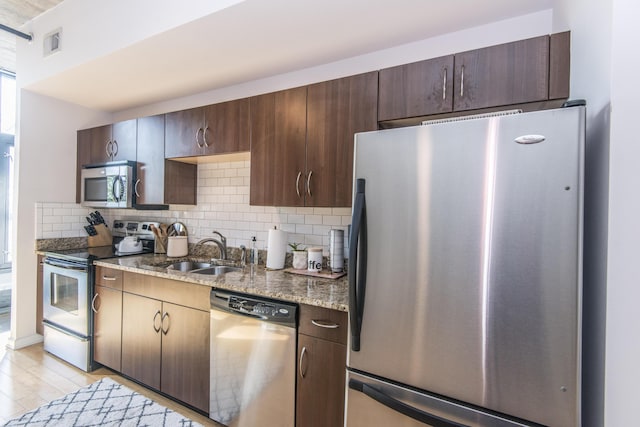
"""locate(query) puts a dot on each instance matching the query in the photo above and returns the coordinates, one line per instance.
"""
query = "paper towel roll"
(276, 249)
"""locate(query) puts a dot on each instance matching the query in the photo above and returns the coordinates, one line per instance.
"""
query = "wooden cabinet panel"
(226, 127)
(278, 143)
(321, 380)
(511, 73)
(336, 110)
(559, 65)
(182, 293)
(417, 89)
(262, 123)
(141, 340)
(322, 356)
(183, 133)
(109, 277)
(107, 336)
(331, 325)
(124, 139)
(185, 355)
(98, 140)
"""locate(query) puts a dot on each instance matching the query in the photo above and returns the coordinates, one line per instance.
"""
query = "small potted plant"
(299, 256)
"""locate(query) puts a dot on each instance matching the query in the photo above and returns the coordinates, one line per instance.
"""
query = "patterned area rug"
(103, 403)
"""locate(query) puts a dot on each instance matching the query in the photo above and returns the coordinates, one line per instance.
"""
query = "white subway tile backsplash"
(223, 205)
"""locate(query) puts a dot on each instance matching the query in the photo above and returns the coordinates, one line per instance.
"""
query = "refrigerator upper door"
(473, 272)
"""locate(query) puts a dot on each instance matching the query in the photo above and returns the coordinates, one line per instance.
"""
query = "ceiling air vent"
(53, 42)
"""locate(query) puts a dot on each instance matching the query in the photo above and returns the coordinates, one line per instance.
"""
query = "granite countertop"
(251, 280)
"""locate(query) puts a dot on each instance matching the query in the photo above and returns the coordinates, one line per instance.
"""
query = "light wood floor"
(31, 377)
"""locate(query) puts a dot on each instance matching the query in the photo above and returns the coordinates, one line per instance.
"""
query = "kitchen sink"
(185, 266)
(215, 270)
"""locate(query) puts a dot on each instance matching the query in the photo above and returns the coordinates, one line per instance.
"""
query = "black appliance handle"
(357, 264)
(117, 181)
(401, 407)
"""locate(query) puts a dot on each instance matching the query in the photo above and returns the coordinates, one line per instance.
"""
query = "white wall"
(45, 171)
(623, 290)
(93, 28)
(590, 25)
(508, 30)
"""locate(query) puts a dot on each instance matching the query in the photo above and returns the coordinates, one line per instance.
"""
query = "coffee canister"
(314, 261)
(336, 250)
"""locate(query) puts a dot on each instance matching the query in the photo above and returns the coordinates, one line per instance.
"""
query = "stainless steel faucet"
(222, 244)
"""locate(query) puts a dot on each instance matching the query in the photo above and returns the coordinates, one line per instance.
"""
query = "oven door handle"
(65, 264)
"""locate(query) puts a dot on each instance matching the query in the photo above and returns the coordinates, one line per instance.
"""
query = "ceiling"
(14, 14)
(256, 39)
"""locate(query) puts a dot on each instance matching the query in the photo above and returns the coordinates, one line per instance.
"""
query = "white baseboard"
(15, 344)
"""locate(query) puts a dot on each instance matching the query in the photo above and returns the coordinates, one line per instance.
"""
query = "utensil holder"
(103, 238)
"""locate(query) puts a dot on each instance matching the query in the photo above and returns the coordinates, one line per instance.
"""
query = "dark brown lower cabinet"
(321, 376)
(322, 356)
(107, 326)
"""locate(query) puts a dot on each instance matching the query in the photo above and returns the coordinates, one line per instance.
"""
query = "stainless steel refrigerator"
(465, 273)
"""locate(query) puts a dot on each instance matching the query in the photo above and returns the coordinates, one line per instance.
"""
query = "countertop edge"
(259, 282)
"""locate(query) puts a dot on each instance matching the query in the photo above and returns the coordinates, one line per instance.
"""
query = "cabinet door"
(107, 336)
(124, 139)
(98, 140)
(510, 73)
(183, 133)
(418, 89)
(278, 143)
(150, 156)
(336, 110)
(141, 343)
(226, 127)
(320, 387)
(185, 355)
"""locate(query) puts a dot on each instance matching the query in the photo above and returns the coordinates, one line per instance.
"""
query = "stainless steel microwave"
(108, 185)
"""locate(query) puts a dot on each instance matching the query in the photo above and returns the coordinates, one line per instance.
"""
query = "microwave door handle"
(117, 188)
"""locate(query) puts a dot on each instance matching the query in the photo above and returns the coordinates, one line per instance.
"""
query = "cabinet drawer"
(323, 323)
(176, 292)
(109, 277)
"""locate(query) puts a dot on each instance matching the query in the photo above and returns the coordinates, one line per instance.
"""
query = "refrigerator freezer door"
(373, 402)
(473, 273)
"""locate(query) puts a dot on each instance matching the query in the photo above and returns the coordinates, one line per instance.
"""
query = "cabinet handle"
(462, 82)
(444, 85)
(298, 183)
(302, 353)
(155, 317)
(166, 315)
(135, 188)
(323, 324)
(204, 136)
(109, 278)
(109, 149)
(197, 139)
(114, 152)
(309, 183)
(93, 303)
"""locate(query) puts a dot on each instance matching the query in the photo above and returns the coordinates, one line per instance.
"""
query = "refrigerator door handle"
(357, 264)
(401, 407)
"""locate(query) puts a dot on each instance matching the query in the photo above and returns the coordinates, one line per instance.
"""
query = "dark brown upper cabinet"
(104, 144)
(336, 110)
(213, 129)
(278, 126)
(523, 72)
(417, 89)
(160, 181)
(510, 73)
(302, 141)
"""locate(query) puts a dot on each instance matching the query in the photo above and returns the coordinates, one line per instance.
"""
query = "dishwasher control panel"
(272, 311)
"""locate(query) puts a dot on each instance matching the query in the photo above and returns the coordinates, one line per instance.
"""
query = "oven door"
(66, 295)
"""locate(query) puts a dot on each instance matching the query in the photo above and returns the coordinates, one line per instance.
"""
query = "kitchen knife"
(90, 229)
(99, 218)
(89, 220)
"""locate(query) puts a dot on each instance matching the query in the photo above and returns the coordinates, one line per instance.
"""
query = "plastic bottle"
(254, 251)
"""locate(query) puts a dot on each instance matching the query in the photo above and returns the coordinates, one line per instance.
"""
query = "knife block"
(103, 238)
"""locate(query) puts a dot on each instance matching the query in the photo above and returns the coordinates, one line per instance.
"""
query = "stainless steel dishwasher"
(253, 357)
